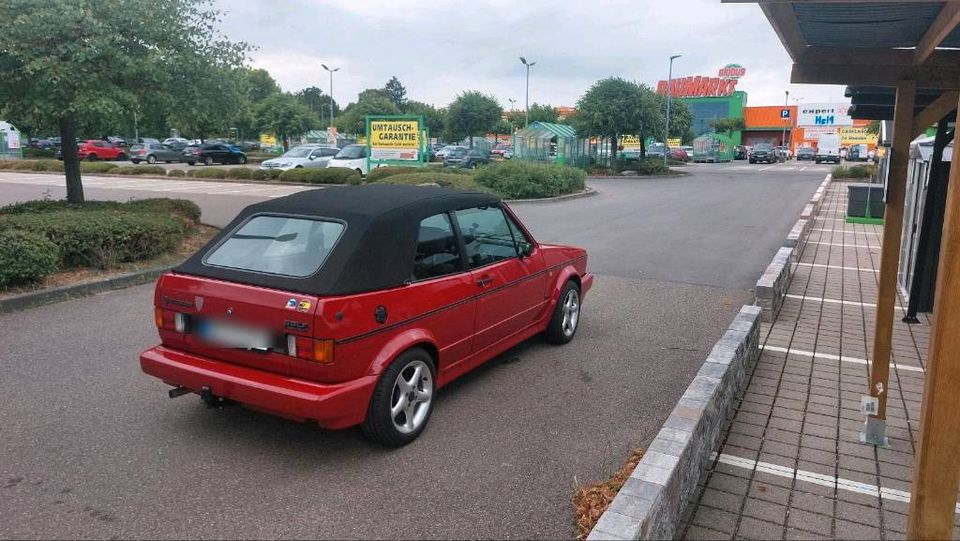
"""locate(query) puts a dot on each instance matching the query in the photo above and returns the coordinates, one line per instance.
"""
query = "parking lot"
(93, 448)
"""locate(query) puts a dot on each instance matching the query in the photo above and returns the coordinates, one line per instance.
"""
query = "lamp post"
(783, 136)
(526, 110)
(666, 136)
(512, 101)
(331, 89)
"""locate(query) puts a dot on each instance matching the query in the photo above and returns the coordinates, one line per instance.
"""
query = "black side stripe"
(453, 305)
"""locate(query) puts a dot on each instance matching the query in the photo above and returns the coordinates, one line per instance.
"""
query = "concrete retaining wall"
(651, 501)
(773, 285)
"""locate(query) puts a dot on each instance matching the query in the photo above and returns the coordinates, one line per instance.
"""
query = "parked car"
(177, 143)
(858, 153)
(764, 152)
(248, 146)
(351, 157)
(466, 158)
(501, 148)
(656, 150)
(213, 153)
(442, 153)
(117, 141)
(784, 152)
(302, 156)
(96, 149)
(828, 149)
(740, 152)
(806, 153)
(352, 306)
(41, 144)
(679, 154)
(153, 153)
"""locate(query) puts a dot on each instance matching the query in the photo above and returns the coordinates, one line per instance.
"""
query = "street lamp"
(512, 101)
(526, 113)
(666, 136)
(331, 89)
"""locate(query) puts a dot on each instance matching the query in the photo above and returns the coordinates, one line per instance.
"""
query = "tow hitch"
(178, 391)
(212, 400)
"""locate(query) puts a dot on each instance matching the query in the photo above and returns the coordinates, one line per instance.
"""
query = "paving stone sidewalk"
(791, 465)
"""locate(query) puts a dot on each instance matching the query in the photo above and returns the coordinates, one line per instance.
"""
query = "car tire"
(135, 162)
(91, 157)
(151, 159)
(208, 161)
(191, 163)
(566, 315)
(402, 401)
(242, 160)
(121, 157)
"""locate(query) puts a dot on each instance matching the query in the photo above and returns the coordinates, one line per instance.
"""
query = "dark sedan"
(806, 153)
(467, 159)
(740, 152)
(764, 152)
(211, 154)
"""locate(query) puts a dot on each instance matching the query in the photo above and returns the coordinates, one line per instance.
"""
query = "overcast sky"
(439, 49)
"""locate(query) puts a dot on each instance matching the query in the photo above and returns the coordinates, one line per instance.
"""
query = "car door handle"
(484, 281)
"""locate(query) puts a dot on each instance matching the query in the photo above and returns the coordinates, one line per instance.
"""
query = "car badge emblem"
(292, 304)
(229, 311)
(304, 306)
(198, 302)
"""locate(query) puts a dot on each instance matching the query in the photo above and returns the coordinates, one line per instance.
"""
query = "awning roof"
(541, 130)
(870, 43)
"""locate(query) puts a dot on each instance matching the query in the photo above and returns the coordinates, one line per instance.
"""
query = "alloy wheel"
(412, 397)
(571, 312)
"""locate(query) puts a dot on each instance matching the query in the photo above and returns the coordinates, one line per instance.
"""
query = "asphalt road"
(92, 448)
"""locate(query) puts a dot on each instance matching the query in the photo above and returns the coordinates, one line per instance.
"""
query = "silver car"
(302, 156)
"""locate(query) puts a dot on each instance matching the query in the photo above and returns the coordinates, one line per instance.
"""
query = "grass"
(589, 502)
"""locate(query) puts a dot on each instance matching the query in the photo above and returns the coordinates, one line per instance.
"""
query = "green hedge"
(25, 258)
(161, 205)
(96, 167)
(517, 179)
(53, 165)
(240, 173)
(139, 170)
(265, 174)
(101, 238)
(856, 171)
(208, 172)
(447, 180)
(332, 175)
(176, 173)
(36, 153)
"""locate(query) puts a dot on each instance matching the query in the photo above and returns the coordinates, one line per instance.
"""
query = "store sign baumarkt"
(394, 140)
(824, 114)
(704, 86)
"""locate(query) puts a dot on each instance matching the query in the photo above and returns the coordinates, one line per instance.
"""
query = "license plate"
(230, 335)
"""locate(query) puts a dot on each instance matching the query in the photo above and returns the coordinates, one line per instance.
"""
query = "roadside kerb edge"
(33, 299)
(651, 501)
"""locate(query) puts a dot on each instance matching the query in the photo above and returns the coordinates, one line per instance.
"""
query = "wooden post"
(936, 471)
(875, 429)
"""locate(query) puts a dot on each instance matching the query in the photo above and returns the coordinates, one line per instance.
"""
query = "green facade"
(707, 109)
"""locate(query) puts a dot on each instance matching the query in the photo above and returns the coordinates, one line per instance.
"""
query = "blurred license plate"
(229, 335)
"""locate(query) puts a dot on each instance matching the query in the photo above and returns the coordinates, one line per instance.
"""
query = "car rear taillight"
(170, 320)
(308, 349)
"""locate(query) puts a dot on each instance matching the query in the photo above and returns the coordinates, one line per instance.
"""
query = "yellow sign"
(857, 136)
(630, 141)
(268, 140)
(674, 143)
(395, 134)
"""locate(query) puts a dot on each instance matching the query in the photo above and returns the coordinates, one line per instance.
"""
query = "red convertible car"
(353, 305)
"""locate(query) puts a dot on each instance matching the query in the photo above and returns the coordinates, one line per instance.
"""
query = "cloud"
(439, 49)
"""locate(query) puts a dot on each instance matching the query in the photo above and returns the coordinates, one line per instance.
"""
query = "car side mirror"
(311, 157)
(525, 249)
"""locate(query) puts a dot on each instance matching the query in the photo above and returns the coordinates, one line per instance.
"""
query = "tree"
(432, 117)
(472, 113)
(610, 108)
(543, 113)
(284, 115)
(397, 92)
(260, 85)
(502, 127)
(370, 102)
(319, 103)
(75, 63)
(516, 118)
(681, 120)
(726, 125)
(211, 99)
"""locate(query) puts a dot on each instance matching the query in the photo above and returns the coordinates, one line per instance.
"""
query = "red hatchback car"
(353, 305)
(93, 149)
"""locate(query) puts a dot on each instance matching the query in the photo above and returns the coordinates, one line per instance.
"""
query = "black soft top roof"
(376, 250)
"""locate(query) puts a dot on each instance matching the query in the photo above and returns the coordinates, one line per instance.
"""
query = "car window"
(329, 151)
(486, 235)
(438, 252)
(352, 152)
(518, 235)
(281, 245)
(319, 153)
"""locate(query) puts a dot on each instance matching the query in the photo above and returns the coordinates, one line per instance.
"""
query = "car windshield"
(280, 245)
(351, 152)
(299, 152)
(762, 146)
(457, 152)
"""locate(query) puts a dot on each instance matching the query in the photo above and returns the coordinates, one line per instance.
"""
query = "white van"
(828, 148)
(351, 157)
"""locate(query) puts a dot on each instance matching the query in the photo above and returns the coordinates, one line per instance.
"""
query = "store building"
(710, 98)
(773, 124)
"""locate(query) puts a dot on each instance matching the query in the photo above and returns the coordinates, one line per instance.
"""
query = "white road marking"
(832, 357)
(829, 481)
(158, 185)
(836, 301)
(821, 265)
(844, 245)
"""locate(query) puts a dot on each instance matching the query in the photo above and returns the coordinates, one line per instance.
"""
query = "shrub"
(265, 174)
(162, 205)
(856, 171)
(176, 173)
(213, 172)
(37, 153)
(519, 179)
(454, 181)
(332, 175)
(25, 258)
(96, 167)
(384, 172)
(241, 173)
(101, 238)
(47, 165)
(139, 170)
(7, 164)
(651, 167)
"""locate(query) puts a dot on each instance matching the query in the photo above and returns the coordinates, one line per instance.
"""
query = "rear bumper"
(586, 282)
(334, 406)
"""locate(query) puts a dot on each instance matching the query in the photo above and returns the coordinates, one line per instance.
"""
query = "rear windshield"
(351, 152)
(282, 245)
(763, 146)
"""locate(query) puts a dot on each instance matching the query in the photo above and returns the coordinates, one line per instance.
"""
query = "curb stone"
(651, 501)
(34, 299)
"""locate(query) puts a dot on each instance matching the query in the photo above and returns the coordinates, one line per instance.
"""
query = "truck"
(828, 148)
